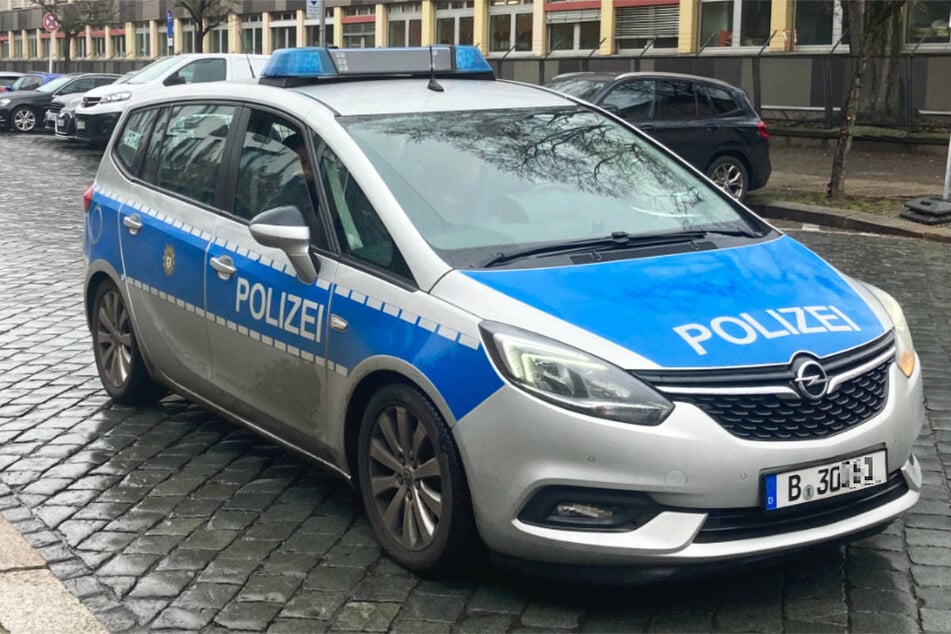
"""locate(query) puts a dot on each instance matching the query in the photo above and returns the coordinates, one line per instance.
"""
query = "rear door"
(268, 329)
(676, 122)
(166, 227)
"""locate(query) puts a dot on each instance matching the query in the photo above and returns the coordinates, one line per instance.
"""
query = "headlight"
(904, 348)
(571, 378)
(4, 102)
(119, 96)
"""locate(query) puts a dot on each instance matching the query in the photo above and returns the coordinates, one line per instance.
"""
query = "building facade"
(509, 29)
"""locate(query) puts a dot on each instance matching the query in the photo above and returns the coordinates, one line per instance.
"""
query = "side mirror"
(284, 228)
(174, 80)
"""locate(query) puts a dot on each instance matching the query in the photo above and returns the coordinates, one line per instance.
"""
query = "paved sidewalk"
(32, 600)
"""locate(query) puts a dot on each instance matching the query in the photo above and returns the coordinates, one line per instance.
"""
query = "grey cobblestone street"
(172, 518)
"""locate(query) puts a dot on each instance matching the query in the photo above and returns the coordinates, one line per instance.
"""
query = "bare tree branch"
(207, 15)
(75, 16)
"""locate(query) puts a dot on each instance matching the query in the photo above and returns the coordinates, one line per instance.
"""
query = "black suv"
(709, 123)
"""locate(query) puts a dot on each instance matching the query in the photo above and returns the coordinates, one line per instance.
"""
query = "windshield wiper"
(617, 240)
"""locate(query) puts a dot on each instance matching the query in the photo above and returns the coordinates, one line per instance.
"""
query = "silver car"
(500, 313)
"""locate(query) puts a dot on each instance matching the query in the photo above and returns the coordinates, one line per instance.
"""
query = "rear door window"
(202, 71)
(131, 138)
(674, 100)
(185, 158)
(715, 101)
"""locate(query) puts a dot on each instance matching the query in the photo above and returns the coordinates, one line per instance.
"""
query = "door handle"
(133, 223)
(224, 266)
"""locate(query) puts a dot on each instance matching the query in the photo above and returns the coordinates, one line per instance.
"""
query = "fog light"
(576, 510)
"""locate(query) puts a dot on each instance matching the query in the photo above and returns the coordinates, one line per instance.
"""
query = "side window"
(31, 83)
(674, 100)
(130, 140)
(632, 99)
(200, 71)
(103, 81)
(275, 171)
(186, 159)
(359, 229)
(720, 100)
(80, 85)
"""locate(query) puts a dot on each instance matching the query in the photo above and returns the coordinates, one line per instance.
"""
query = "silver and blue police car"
(502, 314)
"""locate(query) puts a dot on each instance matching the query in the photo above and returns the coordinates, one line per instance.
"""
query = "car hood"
(751, 305)
(25, 95)
(111, 89)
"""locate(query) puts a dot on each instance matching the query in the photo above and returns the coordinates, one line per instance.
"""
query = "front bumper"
(513, 445)
(5, 118)
(95, 128)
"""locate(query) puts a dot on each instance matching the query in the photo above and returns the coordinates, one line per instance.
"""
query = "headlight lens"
(4, 102)
(571, 378)
(904, 348)
(119, 96)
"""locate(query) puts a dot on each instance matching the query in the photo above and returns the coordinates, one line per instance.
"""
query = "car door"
(676, 123)
(166, 229)
(267, 328)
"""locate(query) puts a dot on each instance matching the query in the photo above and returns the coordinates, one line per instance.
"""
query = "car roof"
(10, 73)
(386, 96)
(605, 76)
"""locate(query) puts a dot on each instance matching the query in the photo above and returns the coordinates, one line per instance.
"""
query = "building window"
(815, 20)
(252, 40)
(405, 27)
(574, 30)
(718, 19)
(81, 46)
(349, 11)
(33, 42)
(143, 41)
(4, 49)
(928, 22)
(98, 47)
(283, 37)
(510, 25)
(636, 27)
(360, 35)
(313, 33)
(118, 45)
(219, 40)
(454, 23)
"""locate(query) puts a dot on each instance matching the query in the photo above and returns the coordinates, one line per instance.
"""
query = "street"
(170, 517)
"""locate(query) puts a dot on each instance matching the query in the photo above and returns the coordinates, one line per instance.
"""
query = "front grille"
(764, 403)
(90, 101)
(747, 523)
(777, 417)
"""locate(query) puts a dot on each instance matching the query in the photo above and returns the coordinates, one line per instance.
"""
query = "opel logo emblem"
(810, 379)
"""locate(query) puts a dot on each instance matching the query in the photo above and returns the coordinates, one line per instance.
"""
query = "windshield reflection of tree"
(602, 169)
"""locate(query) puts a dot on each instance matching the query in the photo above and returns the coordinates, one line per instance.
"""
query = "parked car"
(7, 79)
(709, 123)
(61, 113)
(96, 116)
(499, 313)
(24, 110)
(32, 81)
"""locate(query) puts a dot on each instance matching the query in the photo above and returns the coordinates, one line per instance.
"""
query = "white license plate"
(824, 481)
(80, 125)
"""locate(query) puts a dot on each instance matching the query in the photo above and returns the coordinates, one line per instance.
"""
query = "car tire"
(119, 360)
(23, 119)
(730, 174)
(412, 481)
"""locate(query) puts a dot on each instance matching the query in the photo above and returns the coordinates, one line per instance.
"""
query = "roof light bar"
(316, 63)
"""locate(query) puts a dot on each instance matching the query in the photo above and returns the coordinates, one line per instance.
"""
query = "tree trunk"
(67, 40)
(199, 36)
(844, 142)
(882, 98)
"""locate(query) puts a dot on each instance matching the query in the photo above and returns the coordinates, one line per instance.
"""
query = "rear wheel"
(412, 482)
(730, 175)
(24, 119)
(118, 358)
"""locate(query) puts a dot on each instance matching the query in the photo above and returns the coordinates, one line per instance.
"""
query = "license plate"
(80, 125)
(824, 481)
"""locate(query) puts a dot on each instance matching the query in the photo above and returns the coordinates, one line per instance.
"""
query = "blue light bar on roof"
(315, 62)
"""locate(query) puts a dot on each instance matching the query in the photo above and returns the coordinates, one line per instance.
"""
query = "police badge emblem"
(168, 260)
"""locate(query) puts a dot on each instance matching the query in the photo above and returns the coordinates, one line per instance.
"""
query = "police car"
(501, 313)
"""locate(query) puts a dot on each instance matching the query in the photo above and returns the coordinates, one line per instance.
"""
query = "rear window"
(715, 100)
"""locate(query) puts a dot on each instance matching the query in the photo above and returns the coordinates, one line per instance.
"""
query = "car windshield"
(55, 84)
(580, 87)
(479, 183)
(18, 84)
(154, 70)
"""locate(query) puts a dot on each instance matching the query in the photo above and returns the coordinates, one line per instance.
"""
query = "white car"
(102, 107)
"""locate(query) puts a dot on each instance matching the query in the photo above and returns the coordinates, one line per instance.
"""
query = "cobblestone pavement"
(170, 517)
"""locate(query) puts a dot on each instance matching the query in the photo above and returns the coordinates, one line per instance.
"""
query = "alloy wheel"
(114, 339)
(406, 480)
(24, 120)
(729, 178)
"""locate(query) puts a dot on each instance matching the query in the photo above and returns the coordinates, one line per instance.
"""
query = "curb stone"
(851, 220)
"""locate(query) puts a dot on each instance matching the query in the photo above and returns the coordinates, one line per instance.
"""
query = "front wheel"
(118, 358)
(412, 481)
(24, 119)
(729, 174)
